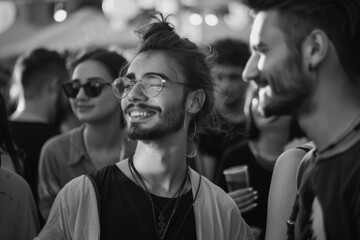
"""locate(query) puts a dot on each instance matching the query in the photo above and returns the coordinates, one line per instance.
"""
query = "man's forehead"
(265, 26)
(154, 61)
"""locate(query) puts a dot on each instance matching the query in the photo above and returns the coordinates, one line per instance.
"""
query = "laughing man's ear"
(195, 100)
(315, 48)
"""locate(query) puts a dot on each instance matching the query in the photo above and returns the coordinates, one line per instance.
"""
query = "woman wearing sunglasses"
(99, 141)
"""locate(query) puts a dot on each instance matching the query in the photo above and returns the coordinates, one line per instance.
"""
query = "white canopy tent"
(86, 27)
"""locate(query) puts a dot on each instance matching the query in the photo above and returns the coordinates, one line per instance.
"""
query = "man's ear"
(315, 48)
(195, 100)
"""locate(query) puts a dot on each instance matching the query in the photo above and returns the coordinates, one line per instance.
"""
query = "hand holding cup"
(238, 183)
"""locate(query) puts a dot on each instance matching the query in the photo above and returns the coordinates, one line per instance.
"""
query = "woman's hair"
(6, 141)
(112, 61)
(194, 62)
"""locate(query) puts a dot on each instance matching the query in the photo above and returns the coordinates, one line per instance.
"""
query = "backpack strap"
(96, 192)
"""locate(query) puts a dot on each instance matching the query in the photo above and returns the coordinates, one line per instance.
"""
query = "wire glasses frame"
(92, 89)
(151, 85)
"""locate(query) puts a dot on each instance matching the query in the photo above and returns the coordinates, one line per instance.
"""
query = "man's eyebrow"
(94, 78)
(159, 74)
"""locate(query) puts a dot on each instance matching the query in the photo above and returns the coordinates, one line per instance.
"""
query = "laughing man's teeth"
(140, 114)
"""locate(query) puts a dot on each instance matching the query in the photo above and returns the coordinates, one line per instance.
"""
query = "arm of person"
(18, 214)
(74, 214)
(48, 185)
(28, 222)
(282, 193)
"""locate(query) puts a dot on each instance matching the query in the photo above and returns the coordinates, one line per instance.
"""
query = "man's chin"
(140, 134)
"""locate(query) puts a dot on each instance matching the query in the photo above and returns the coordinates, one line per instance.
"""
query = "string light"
(60, 14)
(195, 19)
(211, 19)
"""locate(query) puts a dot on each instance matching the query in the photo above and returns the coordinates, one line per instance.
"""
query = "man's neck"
(334, 115)
(162, 164)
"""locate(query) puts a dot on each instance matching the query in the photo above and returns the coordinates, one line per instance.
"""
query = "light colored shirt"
(74, 214)
(18, 214)
(62, 159)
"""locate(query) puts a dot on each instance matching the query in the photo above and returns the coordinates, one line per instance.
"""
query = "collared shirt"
(62, 159)
(75, 215)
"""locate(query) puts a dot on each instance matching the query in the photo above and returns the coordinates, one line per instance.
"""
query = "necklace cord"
(178, 193)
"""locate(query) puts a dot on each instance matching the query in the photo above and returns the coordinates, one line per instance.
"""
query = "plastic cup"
(237, 177)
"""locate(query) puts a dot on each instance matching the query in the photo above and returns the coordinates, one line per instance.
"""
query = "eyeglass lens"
(151, 85)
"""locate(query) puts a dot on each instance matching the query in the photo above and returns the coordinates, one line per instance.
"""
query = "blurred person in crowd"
(37, 79)
(5, 79)
(18, 214)
(230, 57)
(167, 89)
(100, 140)
(13, 164)
(266, 139)
(304, 62)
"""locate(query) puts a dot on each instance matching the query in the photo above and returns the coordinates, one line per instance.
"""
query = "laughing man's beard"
(293, 89)
(169, 122)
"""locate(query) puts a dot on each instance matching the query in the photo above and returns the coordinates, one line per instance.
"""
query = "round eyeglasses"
(92, 89)
(150, 85)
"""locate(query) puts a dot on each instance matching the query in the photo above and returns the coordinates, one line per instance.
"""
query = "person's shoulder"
(78, 183)
(291, 161)
(211, 189)
(75, 205)
(63, 138)
(75, 189)
(11, 182)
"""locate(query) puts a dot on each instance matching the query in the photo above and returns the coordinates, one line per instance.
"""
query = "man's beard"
(292, 90)
(170, 122)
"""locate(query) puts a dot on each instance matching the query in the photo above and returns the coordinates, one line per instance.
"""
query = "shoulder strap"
(96, 192)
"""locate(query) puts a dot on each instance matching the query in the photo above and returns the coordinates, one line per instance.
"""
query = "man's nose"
(136, 93)
(251, 71)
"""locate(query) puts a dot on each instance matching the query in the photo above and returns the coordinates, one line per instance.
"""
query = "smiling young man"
(304, 62)
(166, 92)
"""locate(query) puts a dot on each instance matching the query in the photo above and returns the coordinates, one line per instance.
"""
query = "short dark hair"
(34, 69)
(195, 62)
(231, 52)
(111, 60)
(339, 19)
(6, 140)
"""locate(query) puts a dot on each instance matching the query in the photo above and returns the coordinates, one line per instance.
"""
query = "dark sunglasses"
(92, 89)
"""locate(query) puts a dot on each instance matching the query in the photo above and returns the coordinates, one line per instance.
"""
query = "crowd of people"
(103, 146)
